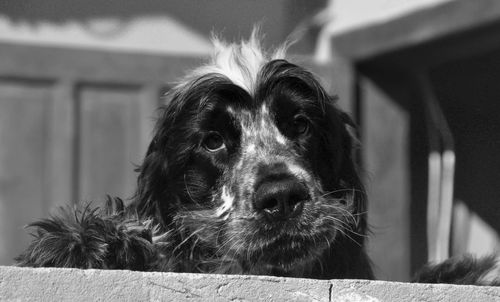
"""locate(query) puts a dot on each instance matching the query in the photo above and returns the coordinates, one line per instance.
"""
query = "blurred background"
(80, 81)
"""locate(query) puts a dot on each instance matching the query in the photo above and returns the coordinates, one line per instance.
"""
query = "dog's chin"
(285, 263)
(285, 255)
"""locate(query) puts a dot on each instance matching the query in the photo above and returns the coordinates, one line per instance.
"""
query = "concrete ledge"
(51, 284)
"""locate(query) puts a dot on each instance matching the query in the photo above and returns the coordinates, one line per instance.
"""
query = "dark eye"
(213, 142)
(300, 124)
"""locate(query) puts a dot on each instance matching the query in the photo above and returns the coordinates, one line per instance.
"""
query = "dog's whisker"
(188, 192)
(325, 194)
(187, 238)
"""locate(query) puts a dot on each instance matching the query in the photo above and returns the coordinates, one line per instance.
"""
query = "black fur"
(464, 270)
(93, 238)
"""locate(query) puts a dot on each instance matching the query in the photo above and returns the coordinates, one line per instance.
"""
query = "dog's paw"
(86, 238)
(465, 270)
(67, 240)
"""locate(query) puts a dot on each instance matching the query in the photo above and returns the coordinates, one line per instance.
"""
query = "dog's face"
(251, 167)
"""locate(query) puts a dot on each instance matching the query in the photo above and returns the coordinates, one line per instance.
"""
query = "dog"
(250, 171)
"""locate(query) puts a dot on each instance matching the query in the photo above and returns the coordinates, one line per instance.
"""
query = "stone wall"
(51, 284)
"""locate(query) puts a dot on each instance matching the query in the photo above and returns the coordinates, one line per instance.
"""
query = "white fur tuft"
(240, 62)
(228, 200)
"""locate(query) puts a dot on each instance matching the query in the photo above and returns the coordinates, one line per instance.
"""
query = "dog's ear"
(351, 128)
(152, 169)
(152, 183)
(157, 188)
(344, 143)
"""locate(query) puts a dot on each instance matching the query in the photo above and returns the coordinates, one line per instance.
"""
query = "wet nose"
(281, 198)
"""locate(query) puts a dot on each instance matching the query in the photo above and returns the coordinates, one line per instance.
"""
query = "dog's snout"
(281, 198)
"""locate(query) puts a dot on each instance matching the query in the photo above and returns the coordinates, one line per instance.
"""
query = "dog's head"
(251, 166)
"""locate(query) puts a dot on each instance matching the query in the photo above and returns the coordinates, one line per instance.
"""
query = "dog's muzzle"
(279, 195)
(281, 198)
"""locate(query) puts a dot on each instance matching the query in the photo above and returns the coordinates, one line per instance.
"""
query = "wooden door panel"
(24, 108)
(109, 143)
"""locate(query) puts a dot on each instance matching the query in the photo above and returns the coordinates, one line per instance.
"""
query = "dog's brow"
(260, 126)
(266, 118)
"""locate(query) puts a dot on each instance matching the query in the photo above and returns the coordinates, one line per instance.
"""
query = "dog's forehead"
(258, 125)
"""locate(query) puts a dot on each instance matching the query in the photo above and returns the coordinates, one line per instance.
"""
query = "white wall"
(345, 15)
(142, 34)
(163, 33)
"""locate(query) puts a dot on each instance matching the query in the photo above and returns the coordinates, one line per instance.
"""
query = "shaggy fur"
(250, 171)
(462, 270)
(107, 239)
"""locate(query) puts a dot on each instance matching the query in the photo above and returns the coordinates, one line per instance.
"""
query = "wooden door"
(73, 123)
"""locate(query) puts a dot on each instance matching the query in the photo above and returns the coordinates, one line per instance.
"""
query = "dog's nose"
(281, 198)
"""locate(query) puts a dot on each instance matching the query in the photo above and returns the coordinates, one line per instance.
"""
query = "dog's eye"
(213, 142)
(300, 124)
